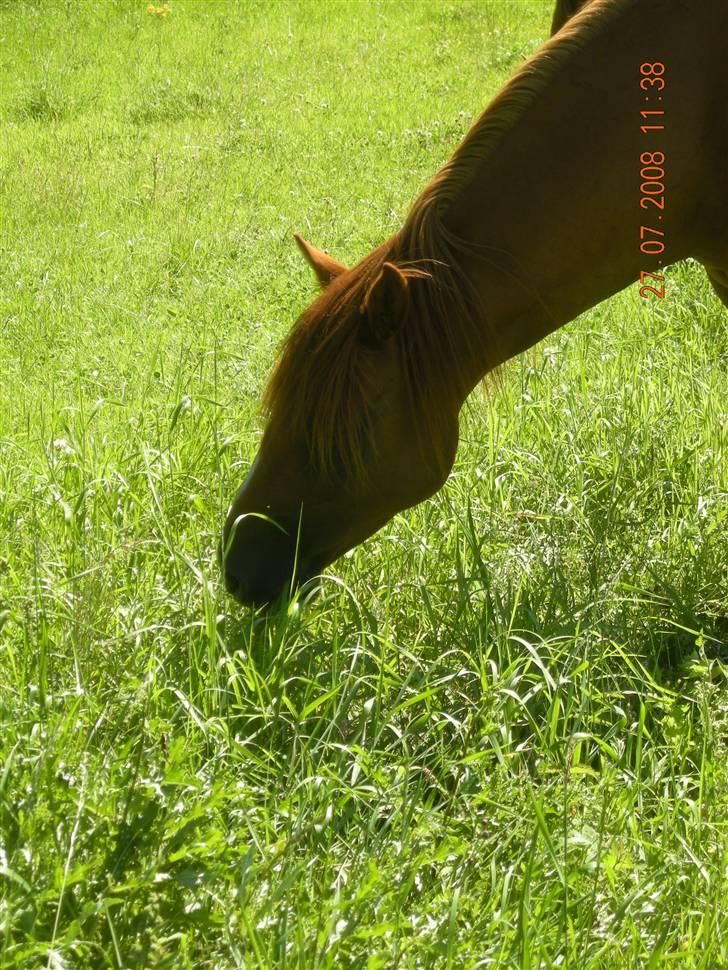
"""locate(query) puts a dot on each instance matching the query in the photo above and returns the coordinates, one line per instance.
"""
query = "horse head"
(344, 447)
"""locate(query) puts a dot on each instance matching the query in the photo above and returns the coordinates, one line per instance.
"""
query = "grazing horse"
(543, 211)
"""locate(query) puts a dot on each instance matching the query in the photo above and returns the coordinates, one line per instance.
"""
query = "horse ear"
(324, 266)
(385, 304)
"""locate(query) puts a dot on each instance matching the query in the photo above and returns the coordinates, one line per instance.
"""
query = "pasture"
(499, 735)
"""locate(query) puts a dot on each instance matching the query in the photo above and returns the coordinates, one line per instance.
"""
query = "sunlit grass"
(497, 736)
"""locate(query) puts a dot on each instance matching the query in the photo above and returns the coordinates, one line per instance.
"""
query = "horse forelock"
(318, 390)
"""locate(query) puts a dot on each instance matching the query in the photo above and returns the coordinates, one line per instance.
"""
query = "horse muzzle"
(257, 559)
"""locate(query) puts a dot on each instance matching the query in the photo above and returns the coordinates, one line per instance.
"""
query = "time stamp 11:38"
(652, 176)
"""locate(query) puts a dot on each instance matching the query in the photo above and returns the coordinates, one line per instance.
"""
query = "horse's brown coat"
(533, 220)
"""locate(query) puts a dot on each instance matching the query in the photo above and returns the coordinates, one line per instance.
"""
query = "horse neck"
(550, 217)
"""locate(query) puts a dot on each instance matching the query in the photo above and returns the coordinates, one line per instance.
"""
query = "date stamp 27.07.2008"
(652, 177)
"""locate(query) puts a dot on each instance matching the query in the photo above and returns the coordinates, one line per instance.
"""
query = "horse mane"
(319, 388)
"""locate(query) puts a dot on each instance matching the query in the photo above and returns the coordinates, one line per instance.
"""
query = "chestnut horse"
(536, 218)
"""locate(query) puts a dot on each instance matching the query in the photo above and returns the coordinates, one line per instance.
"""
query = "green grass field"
(499, 738)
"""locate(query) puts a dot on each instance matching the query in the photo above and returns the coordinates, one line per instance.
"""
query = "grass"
(500, 736)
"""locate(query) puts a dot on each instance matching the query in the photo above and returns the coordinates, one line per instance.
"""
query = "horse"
(604, 151)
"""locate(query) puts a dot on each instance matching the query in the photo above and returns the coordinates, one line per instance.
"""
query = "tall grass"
(498, 738)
